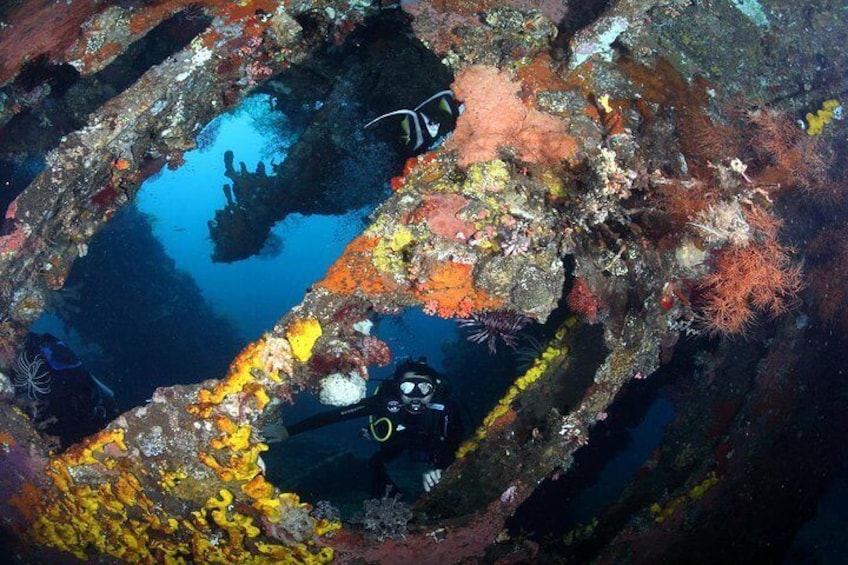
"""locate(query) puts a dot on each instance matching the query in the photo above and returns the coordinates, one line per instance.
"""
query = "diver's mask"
(416, 391)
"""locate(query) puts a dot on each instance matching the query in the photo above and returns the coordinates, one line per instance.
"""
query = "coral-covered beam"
(99, 168)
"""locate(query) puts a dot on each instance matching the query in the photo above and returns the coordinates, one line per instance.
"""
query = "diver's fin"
(445, 106)
(439, 94)
(103, 387)
(394, 113)
(404, 125)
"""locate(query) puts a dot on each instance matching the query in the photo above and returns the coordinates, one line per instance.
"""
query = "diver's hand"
(431, 478)
(275, 433)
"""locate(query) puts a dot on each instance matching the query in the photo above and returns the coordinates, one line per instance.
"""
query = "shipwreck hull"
(530, 203)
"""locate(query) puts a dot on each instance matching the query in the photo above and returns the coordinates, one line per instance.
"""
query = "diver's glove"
(275, 433)
(431, 478)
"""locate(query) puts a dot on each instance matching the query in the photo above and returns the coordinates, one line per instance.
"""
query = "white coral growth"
(723, 222)
(338, 389)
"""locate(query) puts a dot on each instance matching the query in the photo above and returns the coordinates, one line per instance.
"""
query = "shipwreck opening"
(338, 163)
(330, 465)
(147, 307)
(211, 254)
(619, 451)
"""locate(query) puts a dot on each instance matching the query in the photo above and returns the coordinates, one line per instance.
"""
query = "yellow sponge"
(831, 109)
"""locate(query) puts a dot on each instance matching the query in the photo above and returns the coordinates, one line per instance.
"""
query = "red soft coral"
(759, 276)
(582, 301)
(495, 117)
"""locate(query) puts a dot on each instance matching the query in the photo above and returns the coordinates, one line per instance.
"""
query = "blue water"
(253, 293)
(256, 292)
(644, 438)
(822, 540)
(415, 334)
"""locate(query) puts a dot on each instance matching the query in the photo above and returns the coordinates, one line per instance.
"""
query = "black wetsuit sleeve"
(451, 434)
(364, 407)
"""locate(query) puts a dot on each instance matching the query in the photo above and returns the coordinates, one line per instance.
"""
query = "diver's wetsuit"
(431, 435)
(76, 404)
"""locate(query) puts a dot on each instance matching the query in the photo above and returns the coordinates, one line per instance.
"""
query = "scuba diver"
(64, 399)
(410, 411)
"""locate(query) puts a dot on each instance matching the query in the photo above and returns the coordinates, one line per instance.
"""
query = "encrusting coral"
(108, 500)
(302, 335)
(455, 246)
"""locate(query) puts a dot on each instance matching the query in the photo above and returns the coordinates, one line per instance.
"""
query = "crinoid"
(29, 376)
(488, 327)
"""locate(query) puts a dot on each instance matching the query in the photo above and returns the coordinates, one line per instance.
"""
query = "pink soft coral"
(496, 117)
